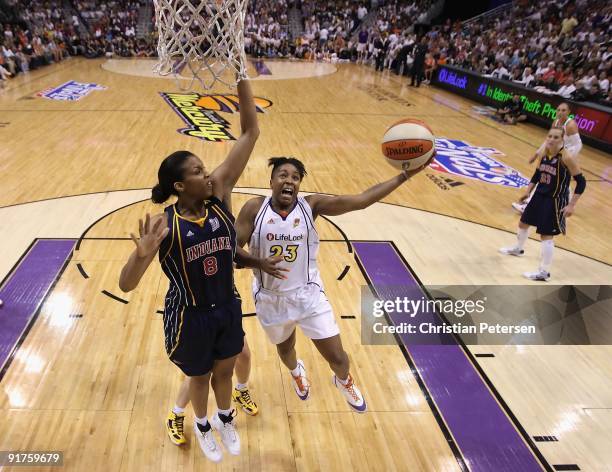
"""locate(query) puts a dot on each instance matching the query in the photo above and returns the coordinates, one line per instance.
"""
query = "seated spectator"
(512, 112)
(587, 81)
(500, 72)
(549, 76)
(596, 94)
(527, 78)
(4, 75)
(604, 82)
(568, 89)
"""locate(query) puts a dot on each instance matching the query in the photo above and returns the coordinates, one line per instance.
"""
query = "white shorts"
(307, 308)
(361, 47)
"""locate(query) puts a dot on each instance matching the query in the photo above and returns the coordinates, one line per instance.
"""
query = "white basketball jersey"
(573, 143)
(557, 124)
(294, 238)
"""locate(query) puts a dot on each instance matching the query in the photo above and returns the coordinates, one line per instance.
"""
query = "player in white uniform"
(572, 144)
(283, 225)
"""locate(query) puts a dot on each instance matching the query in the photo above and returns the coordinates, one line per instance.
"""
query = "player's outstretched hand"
(150, 237)
(410, 173)
(270, 266)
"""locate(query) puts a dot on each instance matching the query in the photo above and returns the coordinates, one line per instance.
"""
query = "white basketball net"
(205, 38)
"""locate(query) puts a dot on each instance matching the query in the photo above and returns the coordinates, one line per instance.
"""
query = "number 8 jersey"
(198, 258)
(294, 238)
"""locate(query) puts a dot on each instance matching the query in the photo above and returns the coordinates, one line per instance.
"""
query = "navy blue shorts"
(545, 214)
(205, 336)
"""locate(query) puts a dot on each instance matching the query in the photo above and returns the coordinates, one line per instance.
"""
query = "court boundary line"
(34, 317)
(320, 193)
(502, 403)
(444, 429)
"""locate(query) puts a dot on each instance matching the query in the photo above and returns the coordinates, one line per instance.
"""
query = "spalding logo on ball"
(408, 144)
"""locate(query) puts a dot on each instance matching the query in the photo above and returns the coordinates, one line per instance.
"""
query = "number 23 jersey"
(294, 238)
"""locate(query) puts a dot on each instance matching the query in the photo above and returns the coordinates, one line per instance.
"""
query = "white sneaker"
(208, 444)
(512, 251)
(351, 393)
(519, 207)
(227, 430)
(540, 275)
(300, 382)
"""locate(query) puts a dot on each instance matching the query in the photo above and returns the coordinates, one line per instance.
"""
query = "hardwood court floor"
(98, 387)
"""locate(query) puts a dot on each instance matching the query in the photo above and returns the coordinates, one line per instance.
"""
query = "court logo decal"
(71, 91)
(460, 158)
(382, 95)
(200, 113)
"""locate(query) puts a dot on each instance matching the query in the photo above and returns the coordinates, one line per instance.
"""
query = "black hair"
(170, 171)
(276, 162)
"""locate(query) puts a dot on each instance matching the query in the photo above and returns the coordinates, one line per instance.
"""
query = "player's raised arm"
(338, 205)
(227, 174)
(152, 232)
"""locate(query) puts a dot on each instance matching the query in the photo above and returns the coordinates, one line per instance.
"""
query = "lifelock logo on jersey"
(460, 158)
(284, 237)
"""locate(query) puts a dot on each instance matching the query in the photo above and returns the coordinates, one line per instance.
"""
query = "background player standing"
(550, 204)
(572, 143)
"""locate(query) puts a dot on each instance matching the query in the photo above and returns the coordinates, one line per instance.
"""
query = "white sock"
(343, 382)
(295, 372)
(548, 247)
(243, 386)
(224, 412)
(202, 421)
(521, 237)
(178, 410)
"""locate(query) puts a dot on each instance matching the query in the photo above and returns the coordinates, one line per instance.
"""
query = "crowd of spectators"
(113, 29)
(266, 28)
(48, 33)
(555, 46)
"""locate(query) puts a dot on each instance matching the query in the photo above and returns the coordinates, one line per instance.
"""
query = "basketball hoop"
(204, 39)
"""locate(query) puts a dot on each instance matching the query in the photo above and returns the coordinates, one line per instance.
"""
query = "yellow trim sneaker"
(174, 427)
(244, 400)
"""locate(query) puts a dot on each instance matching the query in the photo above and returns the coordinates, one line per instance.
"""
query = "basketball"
(408, 144)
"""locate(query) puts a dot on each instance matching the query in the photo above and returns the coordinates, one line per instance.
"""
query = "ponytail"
(170, 171)
(159, 195)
